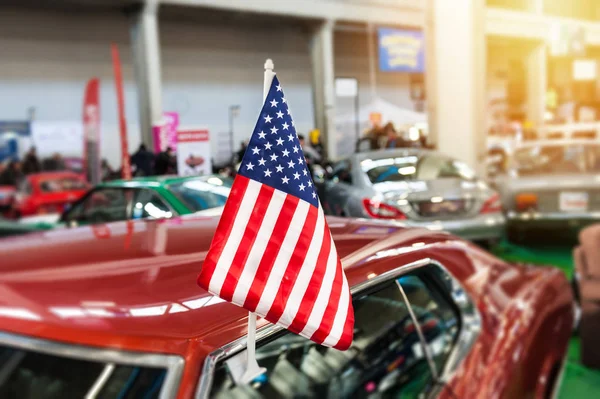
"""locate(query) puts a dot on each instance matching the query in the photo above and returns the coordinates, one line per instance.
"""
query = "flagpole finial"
(269, 64)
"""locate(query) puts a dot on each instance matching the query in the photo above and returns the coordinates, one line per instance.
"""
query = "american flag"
(272, 252)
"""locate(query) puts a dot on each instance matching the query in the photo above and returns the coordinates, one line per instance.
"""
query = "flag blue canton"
(274, 156)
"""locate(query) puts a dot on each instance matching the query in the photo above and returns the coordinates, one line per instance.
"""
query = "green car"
(155, 197)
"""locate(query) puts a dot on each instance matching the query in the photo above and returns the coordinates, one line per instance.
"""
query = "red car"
(113, 311)
(48, 192)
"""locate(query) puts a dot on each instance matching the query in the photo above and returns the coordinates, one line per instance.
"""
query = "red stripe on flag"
(238, 189)
(312, 291)
(346, 339)
(334, 301)
(270, 255)
(294, 266)
(243, 250)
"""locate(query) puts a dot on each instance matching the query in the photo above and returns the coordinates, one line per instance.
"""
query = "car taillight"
(526, 202)
(492, 205)
(379, 210)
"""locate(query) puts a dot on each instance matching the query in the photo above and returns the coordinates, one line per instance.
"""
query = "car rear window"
(62, 184)
(413, 167)
(27, 375)
(202, 193)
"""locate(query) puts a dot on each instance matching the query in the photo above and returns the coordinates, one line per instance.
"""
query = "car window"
(557, 159)
(148, 204)
(24, 187)
(202, 193)
(413, 167)
(101, 206)
(62, 184)
(32, 375)
(386, 358)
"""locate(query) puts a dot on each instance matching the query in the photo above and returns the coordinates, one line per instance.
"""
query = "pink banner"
(166, 135)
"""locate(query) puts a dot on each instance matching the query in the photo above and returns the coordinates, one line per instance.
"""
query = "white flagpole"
(253, 370)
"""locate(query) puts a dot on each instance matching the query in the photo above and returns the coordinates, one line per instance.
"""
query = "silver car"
(550, 185)
(417, 187)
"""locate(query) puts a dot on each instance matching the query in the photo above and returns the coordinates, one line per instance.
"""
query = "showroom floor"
(579, 382)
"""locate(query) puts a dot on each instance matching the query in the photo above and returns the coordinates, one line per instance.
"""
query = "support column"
(537, 81)
(146, 58)
(455, 78)
(321, 52)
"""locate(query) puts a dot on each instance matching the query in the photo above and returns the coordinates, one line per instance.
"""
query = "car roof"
(133, 284)
(35, 177)
(392, 152)
(153, 181)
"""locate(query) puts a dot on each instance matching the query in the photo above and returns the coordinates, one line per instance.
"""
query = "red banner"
(91, 131)
(125, 164)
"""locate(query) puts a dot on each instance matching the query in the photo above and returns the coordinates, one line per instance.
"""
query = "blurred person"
(165, 162)
(31, 163)
(55, 163)
(106, 171)
(311, 155)
(143, 161)
(390, 137)
(242, 151)
(12, 174)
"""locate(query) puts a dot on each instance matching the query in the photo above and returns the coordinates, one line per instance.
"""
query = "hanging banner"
(193, 152)
(165, 135)
(401, 50)
(125, 161)
(14, 138)
(91, 131)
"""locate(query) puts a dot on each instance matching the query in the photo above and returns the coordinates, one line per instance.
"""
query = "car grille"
(444, 209)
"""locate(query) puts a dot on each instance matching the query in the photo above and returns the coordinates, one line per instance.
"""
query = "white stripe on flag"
(340, 317)
(305, 274)
(259, 246)
(233, 241)
(283, 258)
(322, 301)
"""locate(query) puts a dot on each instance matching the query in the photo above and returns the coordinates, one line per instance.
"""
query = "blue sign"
(10, 132)
(401, 50)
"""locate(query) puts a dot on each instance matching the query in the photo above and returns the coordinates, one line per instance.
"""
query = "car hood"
(425, 190)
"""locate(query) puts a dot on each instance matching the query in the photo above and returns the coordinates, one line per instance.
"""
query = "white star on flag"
(280, 141)
(255, 150)
(261, 135)
(267, 173)
(268, 119)
(286, 153)
(268, 146)
(295, 148)
(285, 180)
(291, 164)
(305, 173)
(261, 162)
(285, 126)
(279, 168)
(274, 103)
(296, 176)
(302, 186)
(274, 130)
(279, 115)
(274, 157)
(278, 87)
(249, 166)
(290, 138)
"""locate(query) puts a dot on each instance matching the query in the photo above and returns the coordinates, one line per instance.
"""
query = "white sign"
(346, 87)
(63, 137)
(193, 152)
(573, 201)
(584, 70)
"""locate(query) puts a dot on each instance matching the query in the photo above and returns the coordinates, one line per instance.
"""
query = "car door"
(408, 336)
(337, 188)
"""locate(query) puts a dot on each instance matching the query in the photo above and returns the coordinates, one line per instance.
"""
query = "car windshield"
(30, 375)
(202, 193)
(557, 159)
(415, 167)
(62, 184)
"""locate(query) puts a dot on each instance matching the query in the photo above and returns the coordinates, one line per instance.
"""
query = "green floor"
(579, 382)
